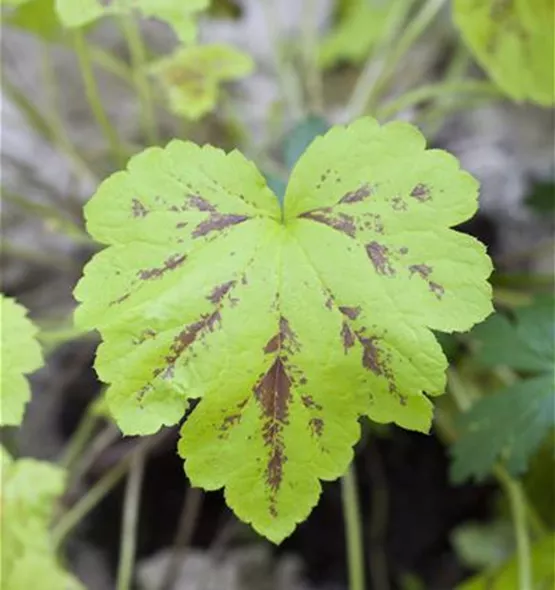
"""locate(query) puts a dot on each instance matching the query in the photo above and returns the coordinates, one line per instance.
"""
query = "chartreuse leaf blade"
(192, 75)
(30, 489)
(506, 577)
(513, 41)
(179, 14)
(21, 355)
(286, 326)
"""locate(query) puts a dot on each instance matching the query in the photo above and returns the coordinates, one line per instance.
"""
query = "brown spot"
(371, 355)
(404, 250)
(422, 269)
(145, 335)
(421, 193)
(329, 302)
(220, 292)
(309, 403)
(351, 312)
(379, 255)
(347, 336)
(339, 221)
(356, 196)
(398, 204)
(200, 203)
(273, 344)
(317, 426)
(155, 273)
(302, 381)
(138, 209)
(217, 222)
(181, 225)
(120, 299)
(437, 289)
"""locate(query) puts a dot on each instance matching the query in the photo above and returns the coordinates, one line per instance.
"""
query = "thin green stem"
(137, 52)
(310, 46)
(92, 94)
(70, 519)
(517, 502)
(130, 522)
(287, 78)
(371, 71)
(190, 513)
(436, 91)
(79, 439)
(353, 530)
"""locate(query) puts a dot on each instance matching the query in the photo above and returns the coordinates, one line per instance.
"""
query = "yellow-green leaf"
(288, 325)
(192, 76)
(21, 355)
(513, 41)
(29, 491)
(179, 14)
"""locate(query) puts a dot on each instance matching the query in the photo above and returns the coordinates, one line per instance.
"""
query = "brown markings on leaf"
(329, 302)
(338, 221)
(356, 196)
(371, 355)
(273, 392)
(421, 193)
(200, 203)
(437, 289)
(422, 269)
(398, 204)
(425, 271)
(145, 335)
(379, 255)
(403, 250)
(171, 263)
(347, 336)
(181, 225)
(220, 291)
(120, 299)
(351, 312)
(316, 426)
(217, 222)
(309, 403)
(184, 339)
(138, 209)
(232, 419)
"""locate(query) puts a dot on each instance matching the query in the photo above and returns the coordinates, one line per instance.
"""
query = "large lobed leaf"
(511, 423)
(30, 489)
(513, 41)
(21, 355)
(289, 325)
(192, 76)
(179, 14)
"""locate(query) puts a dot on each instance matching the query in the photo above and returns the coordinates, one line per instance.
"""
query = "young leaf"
(513, 41)
(29, 491)
(507, 577)
(511, 423)
(21, 355)
(191, 77)
(179, 14)
(288, 324)
(356, 32)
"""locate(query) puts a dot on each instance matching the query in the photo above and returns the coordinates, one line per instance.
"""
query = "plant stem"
(371, 71)
(130, 522)
(515, 495)
(137, 52)
(310, 54)
(92, 94)
(79, 439)
(287, 79)
(353, 529)
(97, 492)
(436, 90)
(185, 529)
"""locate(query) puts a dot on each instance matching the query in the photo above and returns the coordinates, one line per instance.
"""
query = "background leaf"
(21, 355)
(191, 77)
(288, 325)
(513, 41)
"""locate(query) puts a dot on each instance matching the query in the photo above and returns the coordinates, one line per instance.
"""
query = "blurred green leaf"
(37, 17)
(481, 546)
(300, 137)
(506, 577)
(542, 197)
